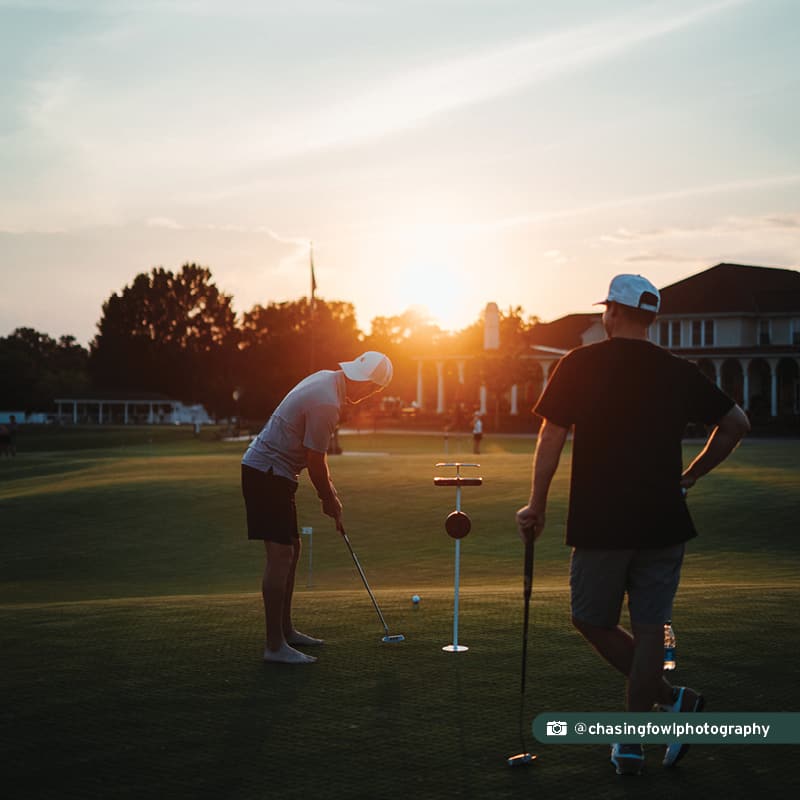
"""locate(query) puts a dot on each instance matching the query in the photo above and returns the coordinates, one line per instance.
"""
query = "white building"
(116, 408)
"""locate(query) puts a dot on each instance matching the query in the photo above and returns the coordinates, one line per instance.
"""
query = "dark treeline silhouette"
(176, 333)
(35, 368)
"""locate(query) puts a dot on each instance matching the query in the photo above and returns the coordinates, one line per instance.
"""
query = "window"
(697, 333)
(764, 337)
(708, 333)
(676, 333)
(796, 332)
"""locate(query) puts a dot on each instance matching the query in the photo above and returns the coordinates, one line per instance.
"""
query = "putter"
(524, 758)
(388, 638)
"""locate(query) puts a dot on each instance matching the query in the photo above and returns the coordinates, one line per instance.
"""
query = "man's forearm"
(321, 478)
(545, 461)
(720, 444)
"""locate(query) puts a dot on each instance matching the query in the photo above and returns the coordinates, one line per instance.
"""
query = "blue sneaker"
(681, 702)
(627, 758)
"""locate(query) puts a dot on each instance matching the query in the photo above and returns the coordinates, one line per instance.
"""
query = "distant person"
(629, 401)
(296, 436)
(477, 433)
(12, 435)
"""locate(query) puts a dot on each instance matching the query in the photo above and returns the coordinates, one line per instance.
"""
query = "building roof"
(115, 397)
(734, 288)
(564, 333)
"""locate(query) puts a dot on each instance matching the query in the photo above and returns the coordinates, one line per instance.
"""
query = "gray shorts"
(599, 579)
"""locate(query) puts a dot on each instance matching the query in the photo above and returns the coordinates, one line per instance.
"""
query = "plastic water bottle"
(669, 646)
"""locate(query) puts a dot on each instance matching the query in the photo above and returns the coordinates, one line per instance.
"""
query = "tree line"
(176, 333)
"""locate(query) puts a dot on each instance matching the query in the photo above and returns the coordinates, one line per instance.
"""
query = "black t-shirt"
(630, 402)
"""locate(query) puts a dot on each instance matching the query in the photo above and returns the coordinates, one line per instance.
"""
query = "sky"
(440, 154)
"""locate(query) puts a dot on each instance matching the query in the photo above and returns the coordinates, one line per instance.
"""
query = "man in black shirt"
(629, 402)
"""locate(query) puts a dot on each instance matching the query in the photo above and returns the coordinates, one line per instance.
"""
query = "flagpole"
(311, 304)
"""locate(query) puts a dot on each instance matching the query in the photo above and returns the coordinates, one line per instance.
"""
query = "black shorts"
(270, 505)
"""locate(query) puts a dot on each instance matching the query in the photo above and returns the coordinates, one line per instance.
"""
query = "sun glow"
(428, 276)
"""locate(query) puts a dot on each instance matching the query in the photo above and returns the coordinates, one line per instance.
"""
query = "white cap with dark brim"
(634, 291)
(370, 366)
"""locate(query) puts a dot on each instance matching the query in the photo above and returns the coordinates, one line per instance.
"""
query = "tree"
(36, 368)
(276, 348)
(169, 333)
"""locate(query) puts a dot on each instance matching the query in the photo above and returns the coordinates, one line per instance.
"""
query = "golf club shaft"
(528, 588)
(364, 579)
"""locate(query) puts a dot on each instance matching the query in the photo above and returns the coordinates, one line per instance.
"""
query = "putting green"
(131, 630)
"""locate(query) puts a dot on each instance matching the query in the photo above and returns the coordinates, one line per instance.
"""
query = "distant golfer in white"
(296, 436)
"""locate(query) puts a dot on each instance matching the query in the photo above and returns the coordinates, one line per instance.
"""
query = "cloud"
(164, 222)
(408, 99)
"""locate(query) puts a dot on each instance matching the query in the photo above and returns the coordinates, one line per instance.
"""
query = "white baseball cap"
(634, 291)
(370, 366)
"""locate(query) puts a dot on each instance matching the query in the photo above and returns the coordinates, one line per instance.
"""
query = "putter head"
(521, 759)
(397, 637)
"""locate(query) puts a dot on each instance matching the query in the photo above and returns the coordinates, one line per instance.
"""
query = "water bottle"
(669, 646)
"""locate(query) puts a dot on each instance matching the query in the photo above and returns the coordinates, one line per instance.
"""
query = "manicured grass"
(131, 630)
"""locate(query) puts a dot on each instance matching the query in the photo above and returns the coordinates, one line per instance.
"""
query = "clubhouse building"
(739, 324)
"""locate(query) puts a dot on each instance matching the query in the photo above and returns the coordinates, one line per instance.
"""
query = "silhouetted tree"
(35, 368)
(276, 348)
(168, 332)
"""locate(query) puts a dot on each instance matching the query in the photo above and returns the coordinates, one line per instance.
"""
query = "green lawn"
(131, 628)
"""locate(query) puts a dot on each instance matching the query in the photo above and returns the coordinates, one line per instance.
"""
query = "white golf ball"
(415, 599)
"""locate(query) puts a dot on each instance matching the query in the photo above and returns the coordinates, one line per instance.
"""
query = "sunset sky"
(439, 153)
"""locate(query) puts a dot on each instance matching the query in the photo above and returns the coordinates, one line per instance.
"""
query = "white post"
(419, 385)
(308, 531)
(440, 387)
(746, 385)
(100, 412)
(457, 577)
(126, 412)
(74, 412)
(483, 399)
(514, 393)
(717, 362)
(773, 368)
(461, 372)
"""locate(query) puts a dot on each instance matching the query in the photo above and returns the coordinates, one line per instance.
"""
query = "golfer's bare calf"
(276, 589)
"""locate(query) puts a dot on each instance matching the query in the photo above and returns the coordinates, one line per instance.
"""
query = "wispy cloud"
(409, 99)
(742, 185)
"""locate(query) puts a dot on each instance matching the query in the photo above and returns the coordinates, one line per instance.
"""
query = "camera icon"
(556, 728)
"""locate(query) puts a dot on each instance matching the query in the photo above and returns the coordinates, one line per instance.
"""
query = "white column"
(483, 399)
(126, 412)
(746, 385)
(718, 362)
(461, 372)
(440, 387)
(514, 409)
(773, 369)
(100, 412)
(74, 412)
(420, 394)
